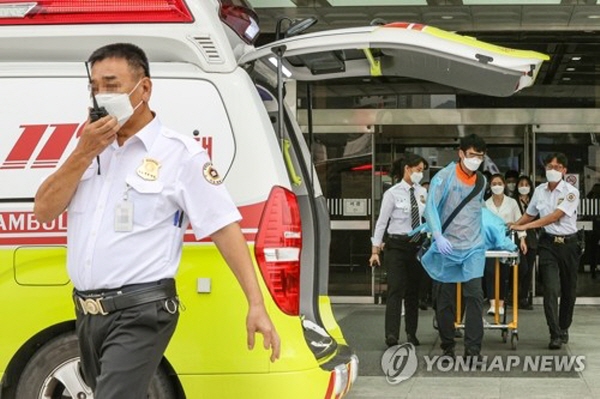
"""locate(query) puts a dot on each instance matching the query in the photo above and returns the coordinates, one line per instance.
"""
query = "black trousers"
(445, 305)
(121, 351)
(558, 269)
(404, 277)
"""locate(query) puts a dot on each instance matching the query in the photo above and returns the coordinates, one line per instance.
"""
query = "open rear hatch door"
(406, 50)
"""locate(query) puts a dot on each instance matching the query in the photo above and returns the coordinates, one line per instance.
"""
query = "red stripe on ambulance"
(55, 146)
(22, 228)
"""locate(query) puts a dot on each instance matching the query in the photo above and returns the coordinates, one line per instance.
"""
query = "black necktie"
(414, 210)
(415, 220)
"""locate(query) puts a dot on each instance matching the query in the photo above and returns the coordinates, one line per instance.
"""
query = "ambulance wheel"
(514, 338)
(504, 336)
(53, 373)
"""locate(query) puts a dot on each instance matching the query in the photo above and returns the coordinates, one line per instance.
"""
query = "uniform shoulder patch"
(211, 175)
(571, 197)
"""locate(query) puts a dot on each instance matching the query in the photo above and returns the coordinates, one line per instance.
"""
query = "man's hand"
(374, 260)
(96, 136)
(443, 245)
(523, 246)
(258, 321)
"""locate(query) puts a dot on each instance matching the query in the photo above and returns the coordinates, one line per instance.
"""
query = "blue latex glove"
(443, 245)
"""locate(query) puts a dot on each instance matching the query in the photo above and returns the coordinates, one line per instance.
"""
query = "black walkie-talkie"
(96, 112)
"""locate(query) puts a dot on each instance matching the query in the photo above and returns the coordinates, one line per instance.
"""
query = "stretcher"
(507, 328)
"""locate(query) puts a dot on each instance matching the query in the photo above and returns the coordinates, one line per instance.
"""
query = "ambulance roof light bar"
(70, 12)
(241, 18)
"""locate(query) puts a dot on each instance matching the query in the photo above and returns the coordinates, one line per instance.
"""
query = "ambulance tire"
(52, 373)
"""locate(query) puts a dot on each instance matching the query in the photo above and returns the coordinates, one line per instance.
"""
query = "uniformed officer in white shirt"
(401, 211)
(132, 186)
(559, 248)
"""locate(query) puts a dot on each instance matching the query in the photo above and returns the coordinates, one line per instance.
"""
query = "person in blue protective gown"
(458, 253)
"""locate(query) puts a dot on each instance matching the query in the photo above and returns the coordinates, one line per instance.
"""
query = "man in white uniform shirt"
(559, 248)
(131, 187)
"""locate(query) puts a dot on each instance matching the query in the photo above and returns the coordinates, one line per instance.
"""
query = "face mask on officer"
(416, 177)
(553, 176)
(118, 104)
(497, 190)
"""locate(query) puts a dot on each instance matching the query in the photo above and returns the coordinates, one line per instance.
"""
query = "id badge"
(124, 216)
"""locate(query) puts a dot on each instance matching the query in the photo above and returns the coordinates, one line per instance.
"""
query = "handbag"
(428, 240)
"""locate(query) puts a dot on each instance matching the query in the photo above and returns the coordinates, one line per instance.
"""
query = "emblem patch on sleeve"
(571, 197)
(211, 175)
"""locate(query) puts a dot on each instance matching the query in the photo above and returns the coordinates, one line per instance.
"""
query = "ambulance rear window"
(69, 12)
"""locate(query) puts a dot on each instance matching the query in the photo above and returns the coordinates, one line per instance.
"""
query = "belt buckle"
(92, 306)
(559, 240)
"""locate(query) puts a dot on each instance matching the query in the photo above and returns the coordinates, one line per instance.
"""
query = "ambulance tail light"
(241, 18)
(277, 249)
(69, 12)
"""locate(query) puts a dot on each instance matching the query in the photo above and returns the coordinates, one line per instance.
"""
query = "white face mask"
(553, 176)
(524, 190)
(497, 189)
(118, 104)
(416, 177)
(511, 186)
(472, 163)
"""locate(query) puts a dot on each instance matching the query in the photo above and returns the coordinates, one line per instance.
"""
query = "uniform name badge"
(149, 169)
(124, 216)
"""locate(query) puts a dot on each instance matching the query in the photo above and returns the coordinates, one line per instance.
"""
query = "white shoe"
(491, 310)
(501, 311)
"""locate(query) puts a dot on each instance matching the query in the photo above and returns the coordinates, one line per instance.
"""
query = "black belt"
(103, 302)
(416, 239)
(561, 239)
(399, 237)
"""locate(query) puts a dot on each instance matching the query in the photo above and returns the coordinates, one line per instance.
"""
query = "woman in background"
(508, 209)
(523, 195)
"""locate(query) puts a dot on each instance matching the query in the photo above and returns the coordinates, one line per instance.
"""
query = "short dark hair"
(511, 173)
(497, 176)
(560, 158)
(472, 141)
(135, 56)
(407, 159)
(528, 180)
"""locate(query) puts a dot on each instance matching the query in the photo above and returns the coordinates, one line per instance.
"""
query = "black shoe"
(449, 353)
(423, 305)
(472, 355)
(413, 339)
(555, 343)
(472, 352)
(524, 304)
(391, 341)
(564, 336)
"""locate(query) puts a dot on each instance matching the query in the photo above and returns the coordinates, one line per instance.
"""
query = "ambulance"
(212, 84)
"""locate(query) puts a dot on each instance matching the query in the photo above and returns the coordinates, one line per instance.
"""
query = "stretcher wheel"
(514, 338)
(504, 336)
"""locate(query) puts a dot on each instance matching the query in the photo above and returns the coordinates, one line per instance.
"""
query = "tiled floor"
(363, 329)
